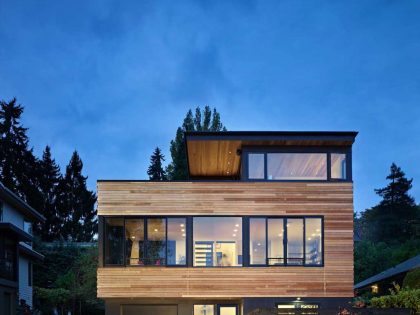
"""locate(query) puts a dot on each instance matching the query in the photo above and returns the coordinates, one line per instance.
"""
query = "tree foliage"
(155, 170)
(396, 217)
(206, 120)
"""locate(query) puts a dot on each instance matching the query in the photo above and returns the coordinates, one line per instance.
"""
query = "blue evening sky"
(114, 79)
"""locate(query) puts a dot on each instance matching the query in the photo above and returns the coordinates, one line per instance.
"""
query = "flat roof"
(405, 266)
(11, 198)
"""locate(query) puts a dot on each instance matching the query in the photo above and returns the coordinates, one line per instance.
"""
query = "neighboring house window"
(29, 274)
(285, 241)
(217, 241)
(145, 241)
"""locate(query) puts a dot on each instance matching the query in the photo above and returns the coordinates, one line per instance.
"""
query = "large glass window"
(134, 242)
(338, 166)
(217, 241)
(285, 241)
(256, 166)
(295, 241)
(296, 166)
(275, 241)
(7, 258)
(313, 243)
(176, 243)
(156, 242)
(257, 242)
(114, 241)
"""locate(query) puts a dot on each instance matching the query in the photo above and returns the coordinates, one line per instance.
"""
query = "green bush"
(412, 279)
(405, 298)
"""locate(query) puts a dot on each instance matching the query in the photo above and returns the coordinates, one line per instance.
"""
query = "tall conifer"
(156, 171)
(205, 120)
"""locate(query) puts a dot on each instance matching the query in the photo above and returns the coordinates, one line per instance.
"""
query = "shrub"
(412, 279)
(405, 298)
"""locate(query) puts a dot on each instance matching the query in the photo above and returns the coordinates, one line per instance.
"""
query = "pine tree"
(395, 218)
(18, 166)
(49, 181)
(156, 171)
(77, 204)
(205, 120)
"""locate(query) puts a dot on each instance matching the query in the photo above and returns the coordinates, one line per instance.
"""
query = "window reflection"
(338, 166)
(134, 241)
(256, 166)
(296, 166)
(275, 242)
(156, 241)
(176, 246)
(294, 241)
(313, 241)
(257, 242)
(217, 241)
(114, 241)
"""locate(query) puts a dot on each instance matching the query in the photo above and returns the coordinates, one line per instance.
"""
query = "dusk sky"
(114, 79)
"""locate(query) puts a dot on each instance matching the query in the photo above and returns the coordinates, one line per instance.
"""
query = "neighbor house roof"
(405, 266)
(14, 200)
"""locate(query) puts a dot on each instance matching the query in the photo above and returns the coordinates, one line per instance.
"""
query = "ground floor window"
(202, 309)
(219, 309)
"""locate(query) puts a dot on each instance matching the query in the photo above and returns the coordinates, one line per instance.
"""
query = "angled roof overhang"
(217, 154)
(12, 230)
(11, 198)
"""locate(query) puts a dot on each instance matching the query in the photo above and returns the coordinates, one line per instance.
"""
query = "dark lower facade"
(8, 298)
(243, 306)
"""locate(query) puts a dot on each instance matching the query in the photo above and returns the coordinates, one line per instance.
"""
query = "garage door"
(149, 310)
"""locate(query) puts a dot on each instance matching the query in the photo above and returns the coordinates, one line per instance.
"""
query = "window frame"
(145, 219)
(285, 235)
(328, 150)
(189, 241)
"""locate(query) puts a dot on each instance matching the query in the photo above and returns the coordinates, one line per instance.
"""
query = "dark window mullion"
(267, 262)
(304, 241)
(285, 241)
(166, 242)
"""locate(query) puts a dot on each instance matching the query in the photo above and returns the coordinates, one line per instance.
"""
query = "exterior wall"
(13, 216)
(25, 291)
(332, 200)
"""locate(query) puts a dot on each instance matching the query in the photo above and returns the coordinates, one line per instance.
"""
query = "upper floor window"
(217, 241)
(284, 166)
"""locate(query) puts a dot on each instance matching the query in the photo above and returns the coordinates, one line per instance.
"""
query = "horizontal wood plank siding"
(332, 200)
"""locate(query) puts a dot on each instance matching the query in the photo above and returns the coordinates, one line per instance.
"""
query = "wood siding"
(332, 200)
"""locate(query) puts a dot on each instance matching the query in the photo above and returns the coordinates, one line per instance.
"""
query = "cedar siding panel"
(333, 200)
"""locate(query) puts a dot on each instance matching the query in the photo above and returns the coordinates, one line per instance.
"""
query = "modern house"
(381, 283)
(265, 222)
(16, 253)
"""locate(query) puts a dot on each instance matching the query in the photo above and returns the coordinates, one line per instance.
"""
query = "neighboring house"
(16, 253)
(381, 283)
(264, 222)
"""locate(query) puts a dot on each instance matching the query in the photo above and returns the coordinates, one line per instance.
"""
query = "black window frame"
(245, 241)
(328, 150)
(145, 219)
(285, 264)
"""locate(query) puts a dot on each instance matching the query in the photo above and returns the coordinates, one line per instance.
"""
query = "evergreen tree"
(49, 184)
(395, 218)
(19, 169)
(156, 171)
(205, 120)
(77, 204)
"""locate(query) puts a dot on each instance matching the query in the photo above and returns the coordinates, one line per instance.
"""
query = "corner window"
(114, 241)
(145, 241)
(217, 241)
(285, 241)
(338, 166)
